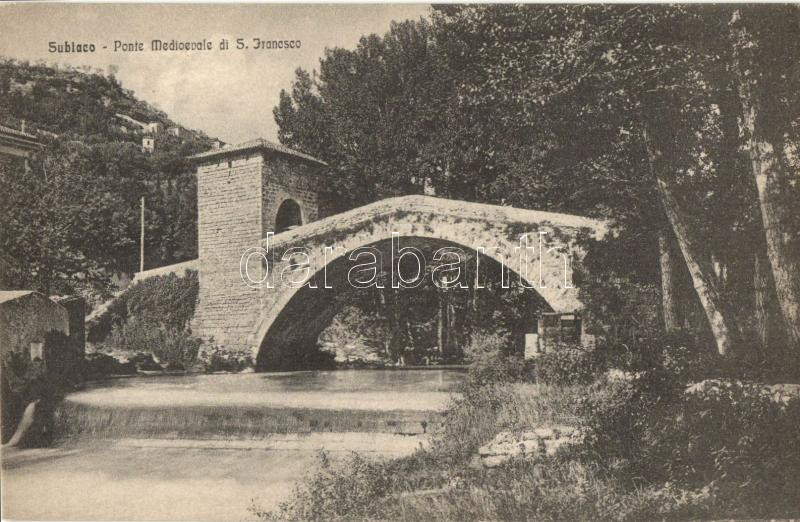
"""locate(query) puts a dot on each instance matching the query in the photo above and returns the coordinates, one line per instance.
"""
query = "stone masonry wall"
(238, 198)
(286, 178)
(229, 221)
(27, 320)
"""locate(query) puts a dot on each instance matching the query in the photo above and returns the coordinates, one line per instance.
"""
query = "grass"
(585, 482)
(442, 482)
(479, 413)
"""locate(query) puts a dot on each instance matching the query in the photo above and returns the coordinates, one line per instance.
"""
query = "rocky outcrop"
(540, 442)
(779, 393)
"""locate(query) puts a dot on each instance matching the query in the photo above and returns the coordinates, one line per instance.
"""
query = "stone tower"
(244, 192)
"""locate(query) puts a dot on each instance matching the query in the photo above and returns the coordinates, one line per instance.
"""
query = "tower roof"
(259, 144)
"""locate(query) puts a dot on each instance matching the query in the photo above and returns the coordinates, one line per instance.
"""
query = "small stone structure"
(534, 444)
(26, 317)
(554, 330)
(154, 127)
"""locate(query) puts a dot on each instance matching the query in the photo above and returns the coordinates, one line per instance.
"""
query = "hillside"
(82, 196)
(80, 104)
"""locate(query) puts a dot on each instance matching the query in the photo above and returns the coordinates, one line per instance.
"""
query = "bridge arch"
(303, 313)
(417, 220)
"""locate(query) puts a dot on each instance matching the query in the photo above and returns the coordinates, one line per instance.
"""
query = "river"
(205, 447)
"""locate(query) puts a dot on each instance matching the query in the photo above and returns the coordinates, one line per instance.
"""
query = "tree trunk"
(700, 269)
(669, 277)
(384, 312)
(765, 143)
(766, 310)
(761, 299)
(442, 318)
(451, 323)
(703, 280)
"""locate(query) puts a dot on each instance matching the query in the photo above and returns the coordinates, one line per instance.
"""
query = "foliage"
(736, 438)
(355, 335)
(557, 121)
(492, 360)
(175, 349)
(568, 365)
(554, 490)
(650, 450)
(213, 358)
(334, 495)
(167, 300)
(152, 316)
(72, 222)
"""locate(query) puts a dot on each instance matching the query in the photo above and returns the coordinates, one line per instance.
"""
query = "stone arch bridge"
(242, 193)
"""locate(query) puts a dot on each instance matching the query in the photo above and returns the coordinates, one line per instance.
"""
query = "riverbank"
(639, 446)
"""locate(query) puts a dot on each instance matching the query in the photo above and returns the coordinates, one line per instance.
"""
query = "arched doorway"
(289, 216)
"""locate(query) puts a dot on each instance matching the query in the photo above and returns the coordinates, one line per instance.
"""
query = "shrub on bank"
(213, 358)
(152, 317)
(568, 365)
(736, 439)
(649, 451)
(492, 360)
(174, 349)
(169, 300)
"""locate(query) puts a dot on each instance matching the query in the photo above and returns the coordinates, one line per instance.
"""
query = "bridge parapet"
(514, 219)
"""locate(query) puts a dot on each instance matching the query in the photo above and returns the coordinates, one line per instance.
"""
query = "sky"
(227, 94)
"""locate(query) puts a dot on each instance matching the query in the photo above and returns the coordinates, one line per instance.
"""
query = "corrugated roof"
(10, 295)
(259, 144)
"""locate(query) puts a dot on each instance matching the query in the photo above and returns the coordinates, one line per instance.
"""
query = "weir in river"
(244, 406)
(203, 447)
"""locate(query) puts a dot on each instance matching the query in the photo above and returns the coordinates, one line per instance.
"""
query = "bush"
(568, 365)
(492, 360)
(99, 365)
(615, 417)
(217, 359)
(175, 349)
(737, 439)
(650, 451)
(167, 300)
(346, 490)
(732, 440)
